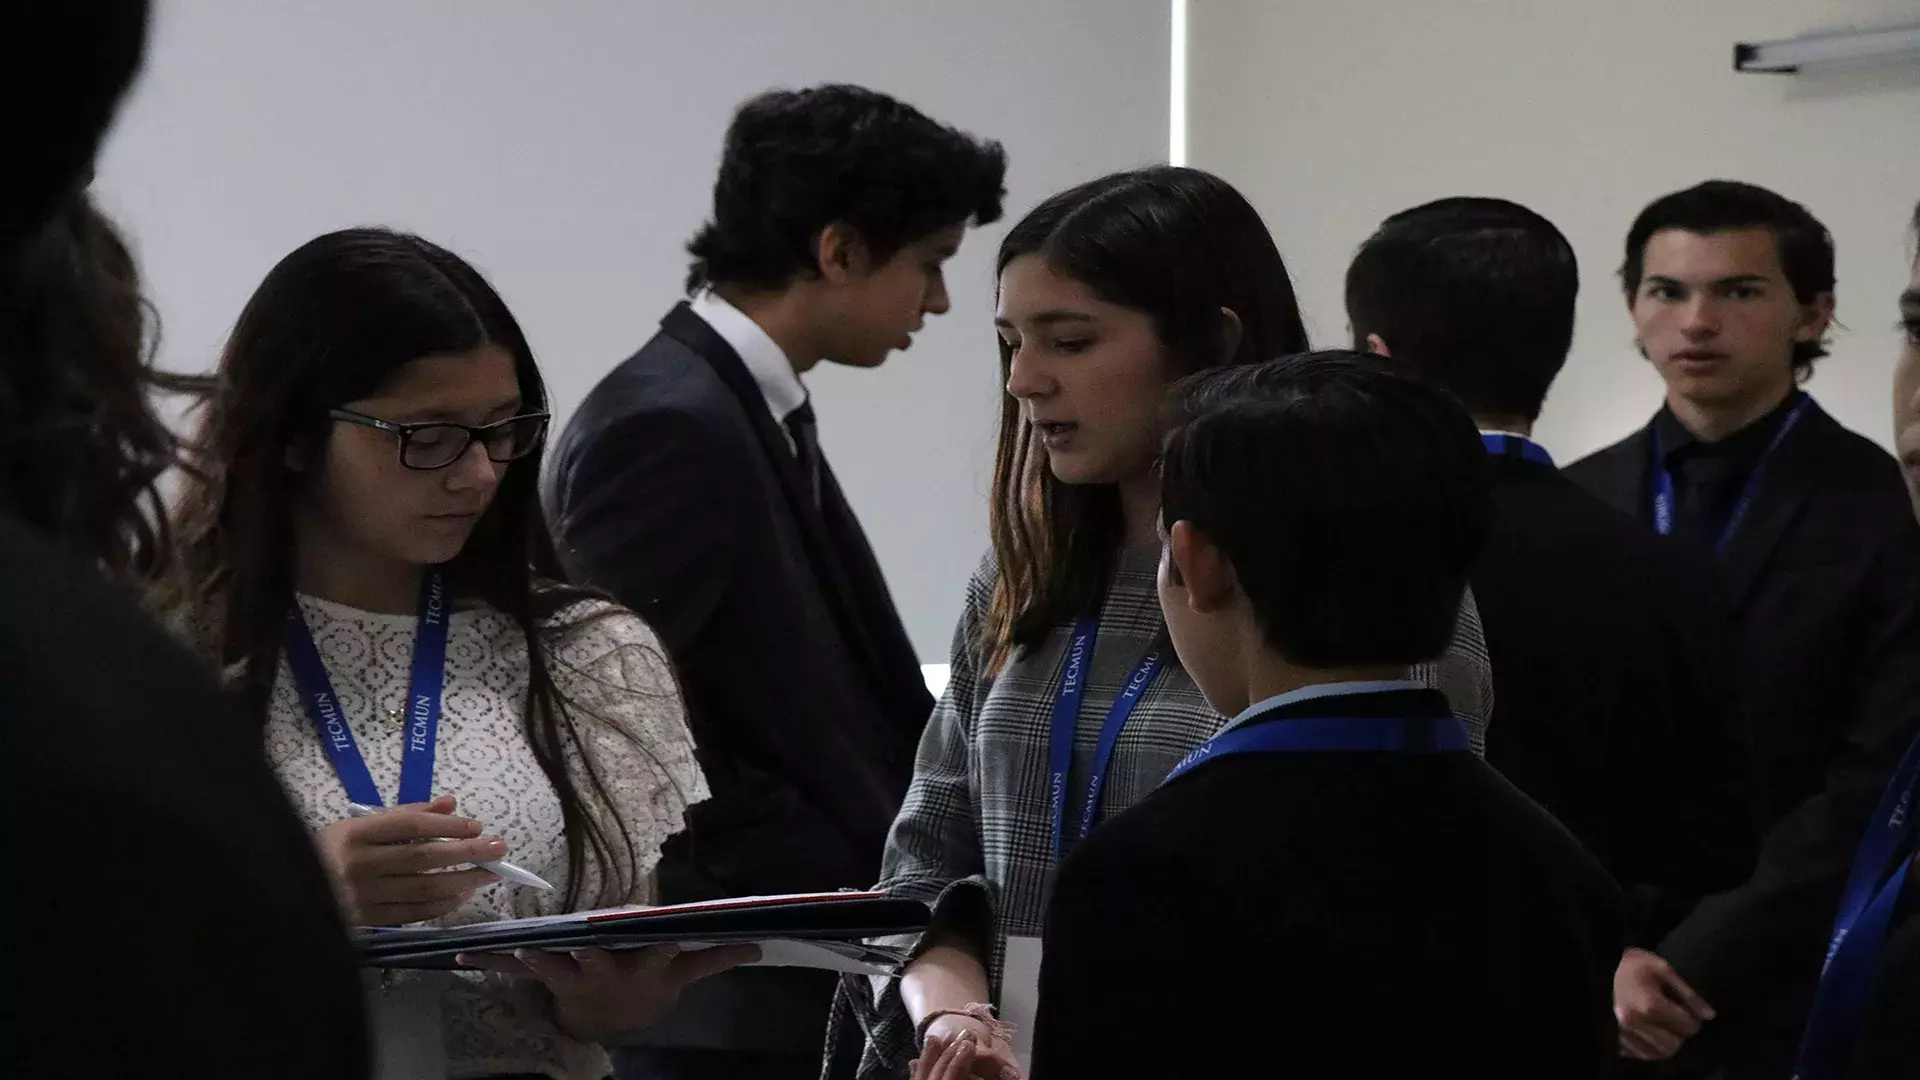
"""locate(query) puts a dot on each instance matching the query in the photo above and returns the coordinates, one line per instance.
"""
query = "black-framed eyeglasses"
(439, 444)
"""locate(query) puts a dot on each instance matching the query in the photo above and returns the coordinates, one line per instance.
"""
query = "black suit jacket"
(1615, 690)
(164, 896)
(1331, 915)
(674, 490)
(1825, 573)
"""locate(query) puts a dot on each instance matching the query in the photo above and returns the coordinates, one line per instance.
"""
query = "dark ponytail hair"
(1179, 245)
(332, 322)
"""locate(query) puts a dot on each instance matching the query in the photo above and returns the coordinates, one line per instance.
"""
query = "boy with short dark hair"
(690, 484)
(1332, 886)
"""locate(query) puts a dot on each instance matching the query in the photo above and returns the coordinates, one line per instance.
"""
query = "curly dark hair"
(82, 448)
(797, 161)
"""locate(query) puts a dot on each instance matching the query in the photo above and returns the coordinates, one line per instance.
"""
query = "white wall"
(1332, 114)
(568, 148)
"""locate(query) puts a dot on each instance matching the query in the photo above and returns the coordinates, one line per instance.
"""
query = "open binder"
(821, 930)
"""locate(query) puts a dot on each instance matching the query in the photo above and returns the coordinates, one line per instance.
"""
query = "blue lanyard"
(1328, 734)
(424, 687)
(1860, 928)
(1066, 720)
(1501, 444)
(1663, 480)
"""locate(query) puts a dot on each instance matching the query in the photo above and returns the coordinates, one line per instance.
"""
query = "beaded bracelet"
(980, 1011)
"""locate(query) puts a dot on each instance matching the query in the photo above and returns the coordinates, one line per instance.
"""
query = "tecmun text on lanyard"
(424, 686)
(1331, 734)
(1663, 499)
(1860, 927)
(1066, 721)
(1507, 444)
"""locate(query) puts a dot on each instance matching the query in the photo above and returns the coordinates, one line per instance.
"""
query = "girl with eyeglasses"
(364, 556)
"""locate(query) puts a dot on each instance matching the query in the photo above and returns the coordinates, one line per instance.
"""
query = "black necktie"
(806, 446)
(1708, 488)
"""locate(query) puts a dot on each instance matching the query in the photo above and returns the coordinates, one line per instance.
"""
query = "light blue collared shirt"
(1320, 690)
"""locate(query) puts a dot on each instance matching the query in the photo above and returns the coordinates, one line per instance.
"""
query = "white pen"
(501, 867)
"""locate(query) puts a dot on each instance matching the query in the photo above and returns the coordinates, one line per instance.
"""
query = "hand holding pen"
(394, 866)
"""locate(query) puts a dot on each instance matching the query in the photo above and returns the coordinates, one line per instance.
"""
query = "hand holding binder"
(599, 994)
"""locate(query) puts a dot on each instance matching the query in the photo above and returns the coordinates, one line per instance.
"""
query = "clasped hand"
(1657, 1010)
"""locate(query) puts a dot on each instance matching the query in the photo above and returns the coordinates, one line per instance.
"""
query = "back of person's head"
(85, 447)
(1349, 497)
(798, 161)
(64, 67)
(1477, 293)
(1804, 245)
(1183, 248)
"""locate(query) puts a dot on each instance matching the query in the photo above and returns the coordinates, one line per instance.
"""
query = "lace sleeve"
(618, 684)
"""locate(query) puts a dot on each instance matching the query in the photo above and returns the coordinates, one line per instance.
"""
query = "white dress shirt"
(772, 371)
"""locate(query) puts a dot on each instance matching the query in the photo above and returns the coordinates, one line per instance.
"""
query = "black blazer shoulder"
(1617, 474)
(674, 488)
(1614, 684)
(680, 378)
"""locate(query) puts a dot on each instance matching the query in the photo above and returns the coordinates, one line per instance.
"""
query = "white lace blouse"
(613, 674)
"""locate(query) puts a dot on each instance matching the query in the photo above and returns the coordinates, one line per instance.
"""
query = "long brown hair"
(1179, 245)
(82, 448)
(332, 322)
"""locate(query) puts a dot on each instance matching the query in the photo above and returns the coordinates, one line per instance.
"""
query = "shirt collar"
(768, 364)
(1320, 690)
(1742, 446)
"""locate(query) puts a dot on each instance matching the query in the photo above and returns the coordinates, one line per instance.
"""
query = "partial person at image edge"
(1881, 1040)
(132, 795)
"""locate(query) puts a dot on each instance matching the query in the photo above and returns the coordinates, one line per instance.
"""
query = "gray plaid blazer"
(975, 832)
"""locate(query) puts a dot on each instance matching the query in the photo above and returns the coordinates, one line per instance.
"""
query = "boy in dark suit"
(691, 486)
(1731, 290)
(1333, 886)
(1616, 695)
